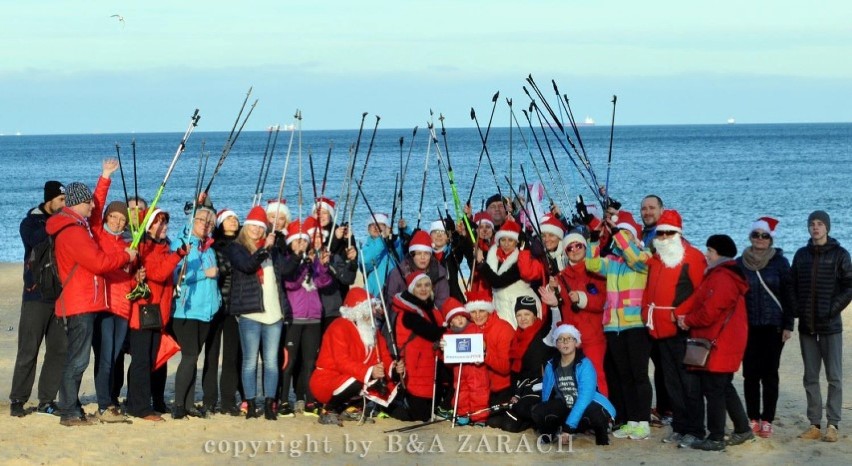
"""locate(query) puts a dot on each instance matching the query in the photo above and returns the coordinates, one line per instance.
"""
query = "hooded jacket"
(822, 281)
(199, 298)
(587, 393)
(417, 329)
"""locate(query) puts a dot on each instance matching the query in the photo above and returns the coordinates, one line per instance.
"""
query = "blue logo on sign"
(463, 345)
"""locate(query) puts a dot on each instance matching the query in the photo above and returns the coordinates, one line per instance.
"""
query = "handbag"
(149, 317)
(697, 351)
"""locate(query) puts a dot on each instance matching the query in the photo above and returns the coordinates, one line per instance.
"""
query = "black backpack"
(42, 264)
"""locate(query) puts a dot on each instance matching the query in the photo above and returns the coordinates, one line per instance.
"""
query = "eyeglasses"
(759, 235)
(665, 233)
(205, 222)
(575, 247)
(566, 340)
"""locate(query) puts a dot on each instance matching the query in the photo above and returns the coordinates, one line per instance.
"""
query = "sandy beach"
(39, 439)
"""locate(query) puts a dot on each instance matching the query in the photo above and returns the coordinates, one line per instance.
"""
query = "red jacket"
(119, 282)
(85, 292)
(721, 293)
(589, 315)
(416, 351)
(159, 262)
(669, 288)
(473, 390)
(498, 339)
(344, 359)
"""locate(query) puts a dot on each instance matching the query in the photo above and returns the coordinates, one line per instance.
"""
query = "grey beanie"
(77, 193)
(823, 217)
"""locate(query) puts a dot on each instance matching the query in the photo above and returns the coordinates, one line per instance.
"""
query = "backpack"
(42, 264)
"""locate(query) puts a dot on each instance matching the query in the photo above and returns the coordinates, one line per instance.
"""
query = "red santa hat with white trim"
(478, 301)
(357, 304)
(224, 214)
(624, 221)
(278, 205)
(551, 224)
(421, 241)
(324, 203)
(670, 221)
(767, 224)
(256, 216)
(483, 217)
(153, 216)
(453, 307)
(296, 231)
(412, 278)
(310, 226)
(510, 229)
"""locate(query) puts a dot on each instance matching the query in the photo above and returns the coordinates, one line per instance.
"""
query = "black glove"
(536, 248)
(449, 225)
(583, 212)
(610, 202)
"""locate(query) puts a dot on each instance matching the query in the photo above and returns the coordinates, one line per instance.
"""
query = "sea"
(719, 177)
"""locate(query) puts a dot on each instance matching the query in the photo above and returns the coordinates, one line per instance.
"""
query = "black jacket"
(32, 233)
(343, 273)
(822, 280)
(224, 264)
(762, 309)
(246, 290)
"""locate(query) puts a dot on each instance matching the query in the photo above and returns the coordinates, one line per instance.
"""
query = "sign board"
(465, 348)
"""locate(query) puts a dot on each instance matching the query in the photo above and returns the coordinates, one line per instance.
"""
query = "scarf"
(754, 260)
(520, 342)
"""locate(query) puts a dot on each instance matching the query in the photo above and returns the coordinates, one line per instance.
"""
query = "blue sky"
(68, 67)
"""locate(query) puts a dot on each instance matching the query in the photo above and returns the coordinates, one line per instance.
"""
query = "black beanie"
(526, 303)
(723, 244)
(493, 199)
(823, 217)
(52, 190)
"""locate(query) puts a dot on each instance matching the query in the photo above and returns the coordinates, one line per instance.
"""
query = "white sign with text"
(465, 348)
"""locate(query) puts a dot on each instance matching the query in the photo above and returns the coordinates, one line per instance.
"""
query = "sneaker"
(688, 441)
(754, 425)
(110, 415)
(641, 431)
(480, 424)
(350, 414)
(711, 445)
(830, 434)
(17, 409)
(312, 410)
(463, 421)
(244, 408)
(48, 408)
(329, 418)
(284, 410)
(76, 422)
(443, 413)
(300, 407)
(738, 438)
(812, 433)
(673, 437)
(624, 431)
(766, 429)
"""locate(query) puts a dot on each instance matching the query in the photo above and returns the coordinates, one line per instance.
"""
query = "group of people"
(571, 312)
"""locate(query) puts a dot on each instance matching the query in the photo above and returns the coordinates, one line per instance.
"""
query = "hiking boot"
(17, 409)
(49, 408)
(738, 438)
(624, 431)
(711, 445)
(766, 429)
(110, 415)
(284, 410)
(830, 434)
(641, 431)
(300, 407)
(269, 409)
(673, 437)
(251, 410)
(179, 413)
(812, 433)
(754, 425)
(76, 421)
(688, 441)
(329, 418)
(192, 411)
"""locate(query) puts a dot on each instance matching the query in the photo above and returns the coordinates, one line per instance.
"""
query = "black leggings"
(301, 342)
(550, 416)
(225, 335)
(760, 367)
(190, 335)
(627, 356)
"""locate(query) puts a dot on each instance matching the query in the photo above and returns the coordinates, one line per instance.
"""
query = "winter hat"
(510, 229)
(414, 277)
(493, 199)
(820, 215)
(153, 217)
(478, 301)
(274, 205)
(379, 218)
(52, 190)
(256, 216)
(453, 307)
(225, 213)
(324, 203)
(295, 231)
(483, 217)
(77, 193)
(437, 225)
(562, 329)
(421, 241)
(767, 224)
(116, 206)
(574, 238)
(670, 221)
(723, 244)
(310, 226)
(625, 221)
(357, 304)
(526, 303)
(551, 224)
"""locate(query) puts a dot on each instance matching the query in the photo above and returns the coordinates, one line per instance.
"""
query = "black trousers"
(302, 342)
(144, 345)
(626, 365)
(683, 386)
(190, 335)
(721, 396)
(550, 416)
(338, 402)
(661, 393)
(760, 368)
(498, 418)
(224, 335)
(38, 323)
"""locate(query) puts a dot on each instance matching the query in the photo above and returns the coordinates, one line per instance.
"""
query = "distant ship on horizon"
(290, 127)
(588, 121)
(731, 120)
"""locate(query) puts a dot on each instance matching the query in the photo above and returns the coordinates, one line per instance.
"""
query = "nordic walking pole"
(451, 178)
(561, 183)
(344, 186)
(511, 167)
(361, 180)
(609, 157)
(181, 147)
(404, 172)
(225, 151)
(456, 401)
(268, 165)
(263, 162)
(134, 223)
(488, 154)
(351, 171)
(484, 144)
(423, 184)
(121, 170)
(532, 158)
(284, 173)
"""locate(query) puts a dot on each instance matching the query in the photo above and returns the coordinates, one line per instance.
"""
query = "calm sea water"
(720, 177)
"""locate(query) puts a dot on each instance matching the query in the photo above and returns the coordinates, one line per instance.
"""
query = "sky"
(67, 66)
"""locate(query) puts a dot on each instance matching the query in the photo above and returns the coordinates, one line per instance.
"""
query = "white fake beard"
(671, 250)
(365, 330)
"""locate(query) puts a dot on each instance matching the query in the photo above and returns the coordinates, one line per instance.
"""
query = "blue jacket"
(762, 309)
(199, 297)
(378, 262)
(587, 388)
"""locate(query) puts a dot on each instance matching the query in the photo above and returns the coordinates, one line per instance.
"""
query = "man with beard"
(346, 369)
(674, 273)
(651, 210)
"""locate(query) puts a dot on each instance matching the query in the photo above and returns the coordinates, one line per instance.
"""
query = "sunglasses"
(758, 235)
(575, 247)
(666, 233)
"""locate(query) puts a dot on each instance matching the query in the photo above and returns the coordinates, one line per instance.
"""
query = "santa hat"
(379, 218)
(310, 226)
(437, 225)
(767, 224)
(326, 204)
(421, 241)
(414, 277)
(275, 205)
(551, 224)
(574, 238)
(483, 217)
(453, 307)
(478, 301)
(295, 231)
(624, 220)
(225, 213)
(357, 304)
(256, 216)
(670, 221)
(154, 213)
(510, 229)
(562, 329)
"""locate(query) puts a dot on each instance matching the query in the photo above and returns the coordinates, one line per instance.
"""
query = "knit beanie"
(116, 206)
(723, 244)
(52, 190)
(820, 215)
(77, 193)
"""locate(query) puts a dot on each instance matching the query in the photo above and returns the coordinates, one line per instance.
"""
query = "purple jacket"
(303, 293)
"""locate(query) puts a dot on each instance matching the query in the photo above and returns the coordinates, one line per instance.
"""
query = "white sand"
(39, 439)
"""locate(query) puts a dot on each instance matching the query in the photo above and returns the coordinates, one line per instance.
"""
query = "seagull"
(120, 18)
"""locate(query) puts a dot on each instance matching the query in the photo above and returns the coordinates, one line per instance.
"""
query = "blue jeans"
(79, 333)
(110, 331)
(252, 335)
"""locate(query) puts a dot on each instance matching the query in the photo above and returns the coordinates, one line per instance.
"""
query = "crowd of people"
(572, 312)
